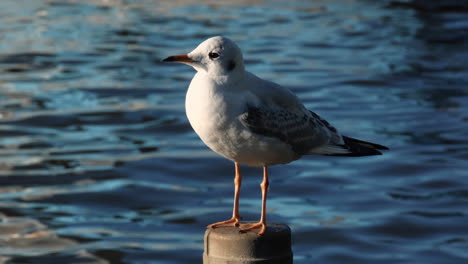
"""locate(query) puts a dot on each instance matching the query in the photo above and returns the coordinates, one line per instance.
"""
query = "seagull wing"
(302, 131)
(276, 112)
(307, 134)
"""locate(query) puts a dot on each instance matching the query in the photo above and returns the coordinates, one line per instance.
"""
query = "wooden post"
(226, 245)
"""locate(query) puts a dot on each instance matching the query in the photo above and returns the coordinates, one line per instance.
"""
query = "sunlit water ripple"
(99, 164)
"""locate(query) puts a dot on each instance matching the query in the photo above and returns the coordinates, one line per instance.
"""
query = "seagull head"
(217, 56)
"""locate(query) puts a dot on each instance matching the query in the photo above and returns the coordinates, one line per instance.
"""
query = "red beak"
(178, 58)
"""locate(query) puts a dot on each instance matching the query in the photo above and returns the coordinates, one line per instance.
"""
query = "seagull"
(253, 121)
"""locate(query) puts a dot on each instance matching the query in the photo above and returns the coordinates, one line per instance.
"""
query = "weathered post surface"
(226, 245)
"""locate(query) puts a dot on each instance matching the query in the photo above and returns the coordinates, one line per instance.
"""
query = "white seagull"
(253, 121)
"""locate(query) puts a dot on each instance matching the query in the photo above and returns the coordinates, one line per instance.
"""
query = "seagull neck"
(227, 80)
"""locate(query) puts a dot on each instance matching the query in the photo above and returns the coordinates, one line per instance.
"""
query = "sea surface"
(98, 163)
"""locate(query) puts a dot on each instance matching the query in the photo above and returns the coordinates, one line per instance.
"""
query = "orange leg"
(235, 212)
(262, 223)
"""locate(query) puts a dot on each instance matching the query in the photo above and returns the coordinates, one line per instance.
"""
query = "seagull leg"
(235, 212)
(262, 223)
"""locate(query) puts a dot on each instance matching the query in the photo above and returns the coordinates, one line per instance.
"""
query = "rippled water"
(99, 164)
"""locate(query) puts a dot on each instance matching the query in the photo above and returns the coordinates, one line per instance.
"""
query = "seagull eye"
(213, 55)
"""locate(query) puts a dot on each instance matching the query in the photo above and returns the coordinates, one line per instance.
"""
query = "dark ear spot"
(231, 65)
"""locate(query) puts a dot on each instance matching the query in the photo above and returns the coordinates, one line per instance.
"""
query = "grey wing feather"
(346, 146)
(302, 131)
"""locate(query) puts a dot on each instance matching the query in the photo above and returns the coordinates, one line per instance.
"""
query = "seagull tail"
(357, 148)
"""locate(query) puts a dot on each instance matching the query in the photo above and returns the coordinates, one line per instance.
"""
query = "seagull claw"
(235, 221)
(260, 225)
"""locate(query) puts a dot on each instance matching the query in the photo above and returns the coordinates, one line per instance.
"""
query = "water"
(99, 164)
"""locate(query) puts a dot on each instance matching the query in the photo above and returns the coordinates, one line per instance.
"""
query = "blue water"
(98, 163)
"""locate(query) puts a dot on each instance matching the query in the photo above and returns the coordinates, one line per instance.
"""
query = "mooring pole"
(226, 245)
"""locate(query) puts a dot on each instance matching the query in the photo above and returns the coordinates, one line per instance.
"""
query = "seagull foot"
(235, 221)
(260, 225)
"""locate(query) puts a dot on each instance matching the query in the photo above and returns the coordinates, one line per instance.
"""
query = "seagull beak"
(179, 58)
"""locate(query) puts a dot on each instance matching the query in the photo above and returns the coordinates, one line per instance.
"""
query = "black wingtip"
(364, 143)
(359, 148)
